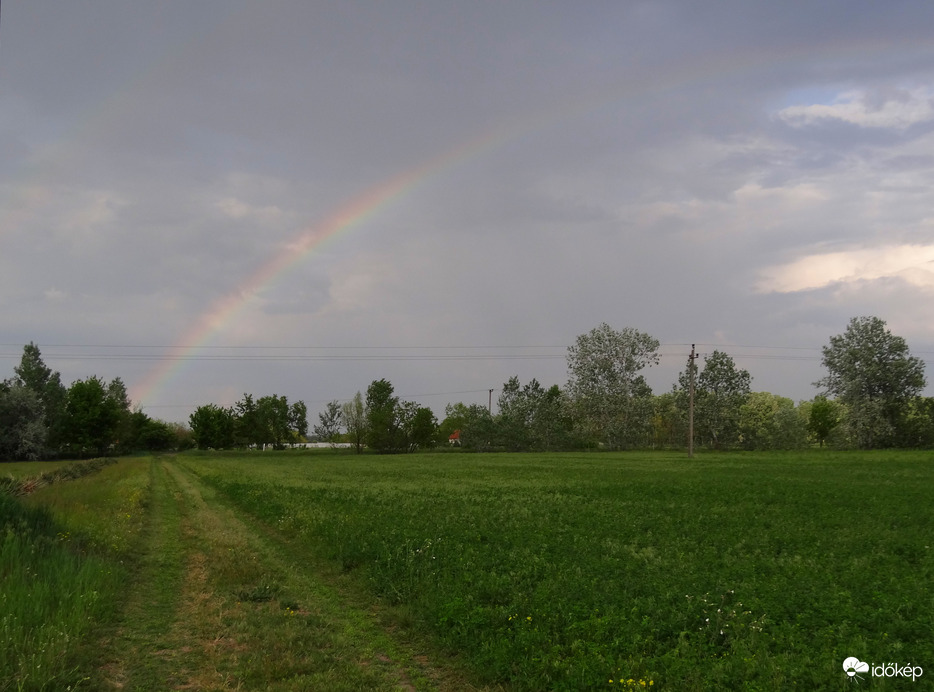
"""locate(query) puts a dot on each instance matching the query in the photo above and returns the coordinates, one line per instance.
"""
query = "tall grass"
(61, 571)
(749, 571)
(51, 597)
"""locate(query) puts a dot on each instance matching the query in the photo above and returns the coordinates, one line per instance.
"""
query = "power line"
(325, 401)
(207, 354)
(162, 357)
(292, 347)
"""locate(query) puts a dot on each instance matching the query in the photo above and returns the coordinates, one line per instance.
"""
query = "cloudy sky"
(298, 198)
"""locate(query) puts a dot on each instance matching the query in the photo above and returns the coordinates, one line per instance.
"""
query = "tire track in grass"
(300, 633)
(132, 660)
(219, 604)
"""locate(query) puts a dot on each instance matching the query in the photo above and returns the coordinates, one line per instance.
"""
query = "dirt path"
(222, 603)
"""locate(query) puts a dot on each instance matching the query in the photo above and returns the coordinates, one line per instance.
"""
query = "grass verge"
(63, 567)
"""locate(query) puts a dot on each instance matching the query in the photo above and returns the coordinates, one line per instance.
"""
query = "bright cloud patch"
(897, 109)
(912, 263)
(238, 209)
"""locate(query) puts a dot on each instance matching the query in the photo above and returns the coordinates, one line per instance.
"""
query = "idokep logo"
(852, 666)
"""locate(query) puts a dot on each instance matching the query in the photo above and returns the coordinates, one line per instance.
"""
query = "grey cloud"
(156, 157)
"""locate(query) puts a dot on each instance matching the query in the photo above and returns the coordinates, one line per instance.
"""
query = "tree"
(720, 391)
(33, 374)
(355, 418)
(669, 419)
(918, 426)
(279, 423)
(552, 425)
(127, 430)
(453, 421)
(331, 420)
(182, 436)
(248, 428)
(612, 400)
(92, 417)
(417, 426)
(478, 430)
(274, 420)
(873, 374)
(823, 418)
(768, 421)
(517, 406)
(382, 422)
(532, 418)
(23, 432)
(298, 420)
(396, 426)
(151, 434)
(212, 427)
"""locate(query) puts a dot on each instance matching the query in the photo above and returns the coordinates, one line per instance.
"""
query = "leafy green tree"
(917, 428)
(151, 434)
(396, 426)
(354, 415)
(92, 417)
(823, 418)
(23, 432)
(612, 400)
(517, 407)
(33, 374)
(669, 419)
(182, 436)
(720, 390)
(331, 419)
(552, 424)
(453, 421)
(478, 430)
(532, 418)
(127, 428)
(767, 421)
(871, 372)
(248, 428)
(213, 427)
(298, 421)
(116, 391)
(275, 420)
(418, 426)
(382, 421)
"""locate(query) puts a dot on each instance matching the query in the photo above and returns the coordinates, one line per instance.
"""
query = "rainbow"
(363, 207)
(351, 215)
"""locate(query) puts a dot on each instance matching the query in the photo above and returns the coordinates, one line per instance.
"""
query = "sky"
(297, 198)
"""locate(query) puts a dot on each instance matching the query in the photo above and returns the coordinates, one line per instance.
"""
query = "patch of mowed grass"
(564, 571)
(61, 565)
(213, 605)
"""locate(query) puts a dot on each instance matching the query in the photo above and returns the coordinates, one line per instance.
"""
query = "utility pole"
(691, 406)
(490, 408)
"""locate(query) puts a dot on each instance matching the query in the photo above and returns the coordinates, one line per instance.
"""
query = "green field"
(308, 571)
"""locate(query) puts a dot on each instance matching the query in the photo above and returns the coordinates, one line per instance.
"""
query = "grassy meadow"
(325, 570)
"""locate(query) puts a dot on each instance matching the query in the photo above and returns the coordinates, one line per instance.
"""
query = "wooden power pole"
(691, 406)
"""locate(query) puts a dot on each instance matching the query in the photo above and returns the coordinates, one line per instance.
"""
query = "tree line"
(40, 418)
(382, 422)
(870, 398)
